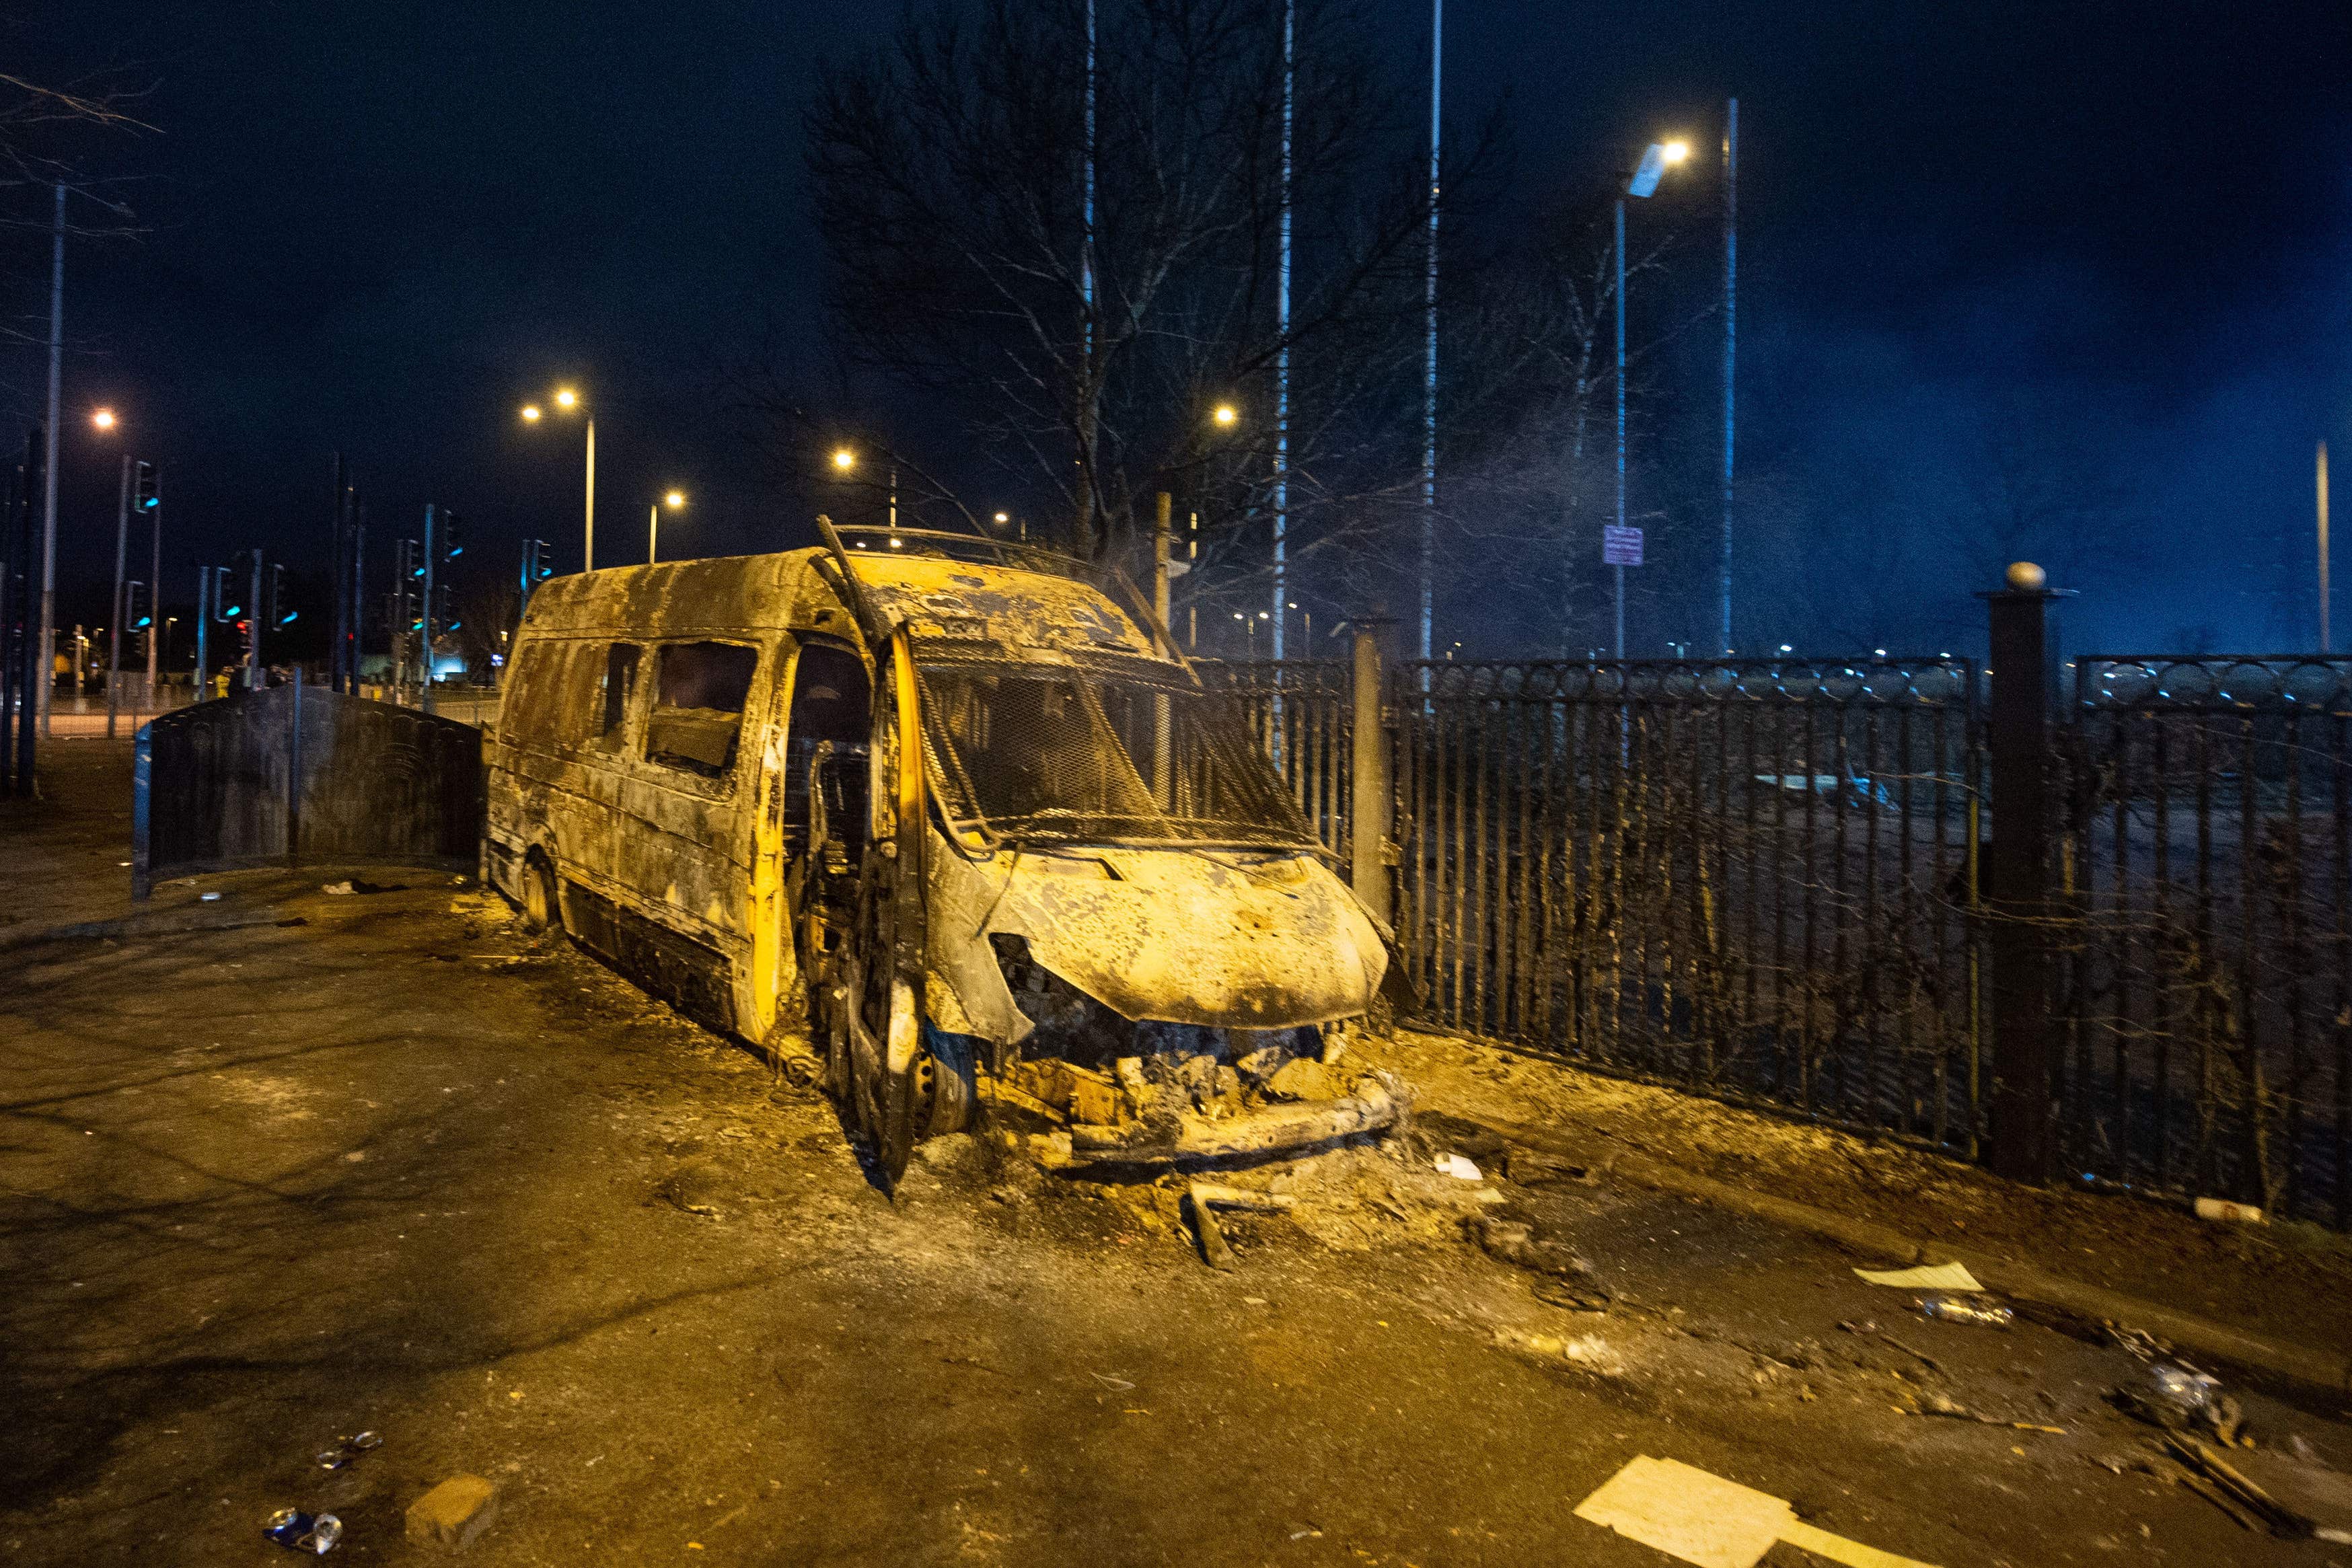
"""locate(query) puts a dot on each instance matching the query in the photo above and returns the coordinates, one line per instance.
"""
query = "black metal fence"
(2206, 873)
(1302, 712)
(1791, 883)
(1749, 879)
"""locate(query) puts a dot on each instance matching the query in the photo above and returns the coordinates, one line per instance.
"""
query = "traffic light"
(279, 615)
(408, 557)
(146, 487)
(536, 567)
(137, 606)
(224, 607)
(452, 536)
(445, 609)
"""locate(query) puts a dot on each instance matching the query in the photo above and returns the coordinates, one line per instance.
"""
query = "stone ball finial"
(2026, 578)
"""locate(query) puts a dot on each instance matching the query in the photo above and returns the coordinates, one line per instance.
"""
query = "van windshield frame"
(1124, 751)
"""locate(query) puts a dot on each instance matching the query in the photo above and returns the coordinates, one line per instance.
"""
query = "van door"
(683, 848)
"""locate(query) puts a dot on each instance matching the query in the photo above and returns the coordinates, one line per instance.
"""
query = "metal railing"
(2206, 873)
(1746, 879)
(1302, 712)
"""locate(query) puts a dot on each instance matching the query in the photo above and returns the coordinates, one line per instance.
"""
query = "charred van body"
(954, 815)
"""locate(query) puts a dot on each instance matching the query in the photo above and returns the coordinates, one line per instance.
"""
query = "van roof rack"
(934, 541)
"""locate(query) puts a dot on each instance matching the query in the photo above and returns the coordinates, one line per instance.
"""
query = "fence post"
(1369, 829)
(2022, 936)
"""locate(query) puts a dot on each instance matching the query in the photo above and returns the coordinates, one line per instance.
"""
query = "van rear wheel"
(542, 909)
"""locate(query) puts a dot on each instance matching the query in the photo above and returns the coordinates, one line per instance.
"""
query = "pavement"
(282, 1167)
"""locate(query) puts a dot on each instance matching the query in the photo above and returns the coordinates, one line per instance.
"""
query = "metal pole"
(46, 684)
(1163, 772)
(1371, 802)
(1282, 346)
(359, 584)
(653, 532)
(154, 584)
(1429, 377)
(1620, 568)
(201, 686)
(425, 610)
(2025, 1035)
(588, 547)
(2323, 548)
(253, 619)
(115, 632)
(1730, 332)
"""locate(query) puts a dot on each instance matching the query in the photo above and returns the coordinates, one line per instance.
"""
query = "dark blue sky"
(381, 227)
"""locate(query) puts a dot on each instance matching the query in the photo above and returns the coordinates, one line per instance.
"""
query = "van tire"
(542, 906)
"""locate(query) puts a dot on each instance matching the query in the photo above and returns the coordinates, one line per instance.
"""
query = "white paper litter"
(1927, 1277)
(1459, 1167)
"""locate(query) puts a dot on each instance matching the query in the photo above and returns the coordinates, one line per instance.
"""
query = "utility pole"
(1730, 332)
(48, 679)
(1429, 378)
(1282, 346)
(114, 631)
(359, 585)
(1619, 568)
(338, 520)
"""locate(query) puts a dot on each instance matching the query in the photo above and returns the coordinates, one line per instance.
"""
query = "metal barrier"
(290, 773)
(1746, 879)
(2205, 868)
(1302, 713)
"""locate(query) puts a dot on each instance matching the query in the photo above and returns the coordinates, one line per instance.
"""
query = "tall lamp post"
(566, 401)
(673, 500)
(1656, 160)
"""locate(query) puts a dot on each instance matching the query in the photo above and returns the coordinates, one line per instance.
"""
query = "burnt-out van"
(951, 822)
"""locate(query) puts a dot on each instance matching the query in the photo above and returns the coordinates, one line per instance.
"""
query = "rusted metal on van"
(962, 816)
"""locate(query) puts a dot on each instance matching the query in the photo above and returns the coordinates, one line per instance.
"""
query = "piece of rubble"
(453, 1513)
(1214, 1252)
(1531, 1167)
(1299, 1079)
(1516, 1243)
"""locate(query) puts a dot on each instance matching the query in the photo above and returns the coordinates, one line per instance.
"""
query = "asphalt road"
(398, 1168)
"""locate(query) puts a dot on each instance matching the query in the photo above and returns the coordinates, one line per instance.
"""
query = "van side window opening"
(699, 695)
(831, 702)
(619, 681)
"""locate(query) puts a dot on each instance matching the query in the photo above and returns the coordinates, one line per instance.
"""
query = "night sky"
(380, 228)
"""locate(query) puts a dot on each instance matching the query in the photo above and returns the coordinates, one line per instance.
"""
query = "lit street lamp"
(566, 400)
(1656, 159)
(674, 500)
(844, 460)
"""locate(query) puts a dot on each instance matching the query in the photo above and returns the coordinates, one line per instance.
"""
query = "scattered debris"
(208, 898)
(455, 1512)
(346, 1450)
(2183, 1399)
(1931, 1403)
(2227, 1212)
(355, 885)
(1590, 1351)
(1695, 1517)
(2313, 1487)
(1214, 1252)
(1954, 1309)
(1530, 1168)
(1242, 1197)
(1108, 1381)
(690, 1189)
(298, 1531)
(1516, 1244)
(1459, 1167)
(1929, 1361)
(1927, 1277)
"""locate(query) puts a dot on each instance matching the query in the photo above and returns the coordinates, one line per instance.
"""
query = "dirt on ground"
(286, 1165)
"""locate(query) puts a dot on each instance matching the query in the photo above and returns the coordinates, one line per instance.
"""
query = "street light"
(1656, 159)
(1226, 415)
(674, 500)
(566, 399)
(103, 418)
(844, 460)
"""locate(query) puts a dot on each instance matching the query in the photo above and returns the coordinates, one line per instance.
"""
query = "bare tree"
(950, 174)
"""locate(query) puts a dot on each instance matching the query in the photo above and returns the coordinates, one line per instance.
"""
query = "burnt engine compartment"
(1086, 1065)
